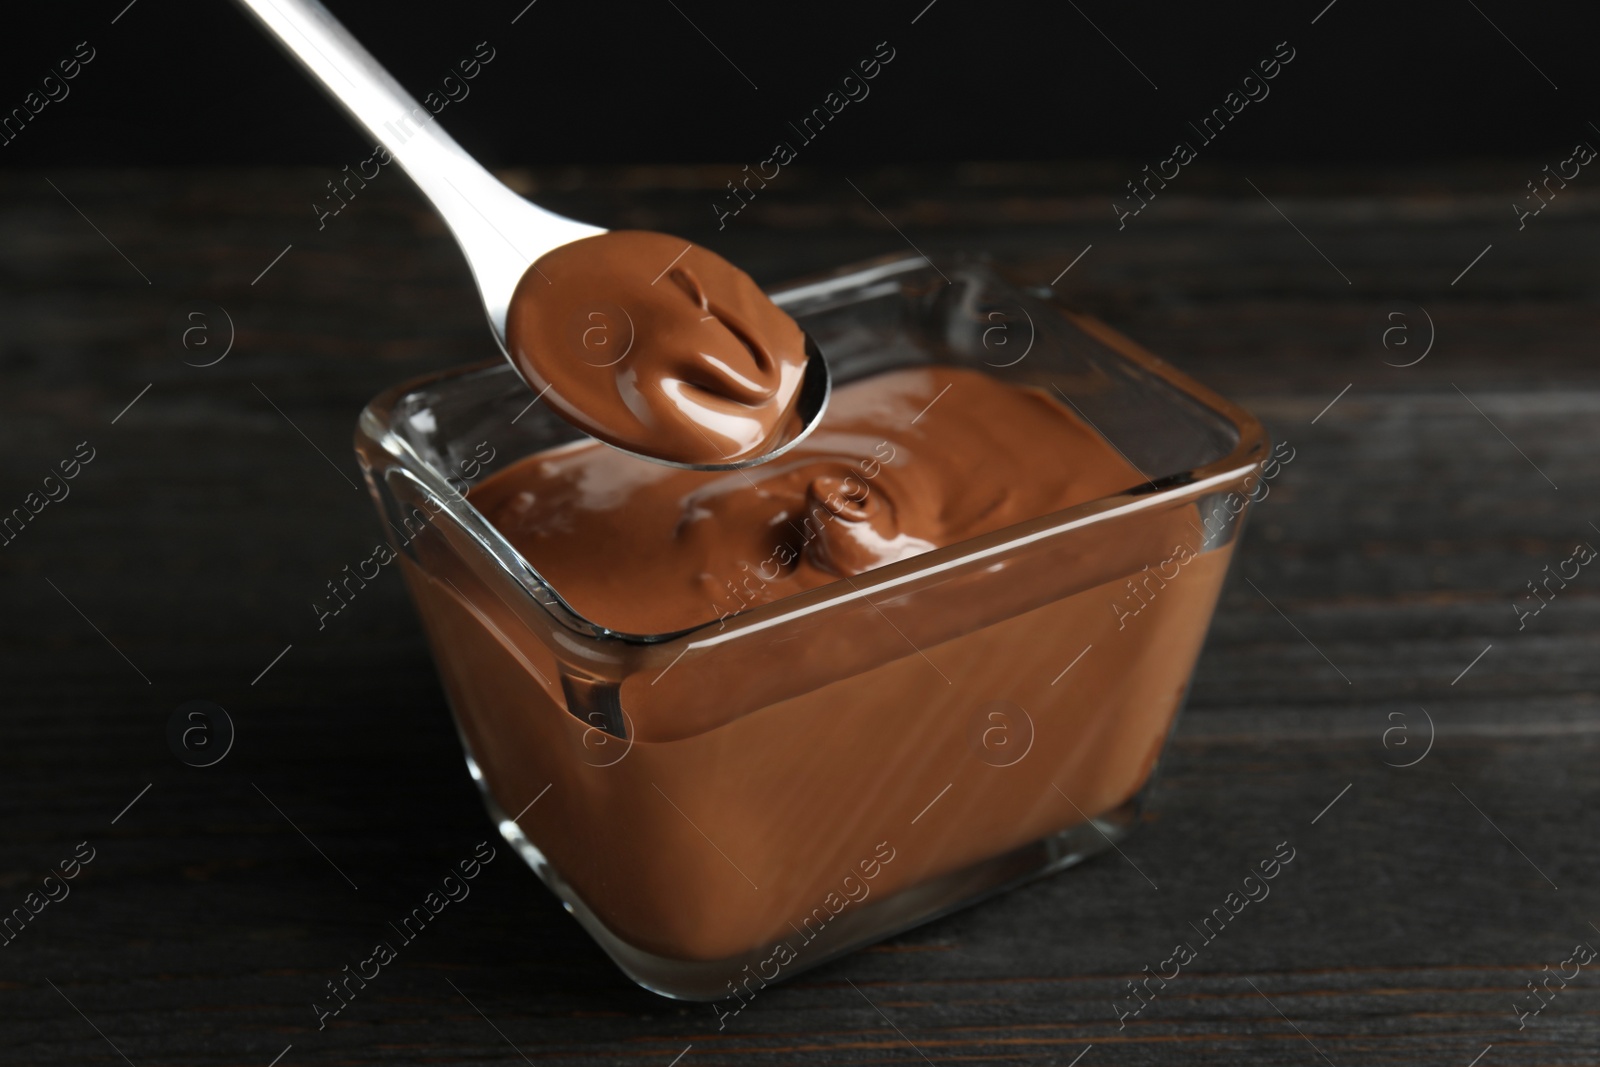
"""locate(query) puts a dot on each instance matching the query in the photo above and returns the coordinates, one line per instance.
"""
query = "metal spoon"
(499, 232)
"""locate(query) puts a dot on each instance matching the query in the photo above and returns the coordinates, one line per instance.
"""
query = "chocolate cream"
(901, 463)
(945, 719)
(756, 774)
(656, 345)
(704, 803)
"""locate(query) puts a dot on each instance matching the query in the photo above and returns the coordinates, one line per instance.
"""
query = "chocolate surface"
(656, 345)
(902, 463)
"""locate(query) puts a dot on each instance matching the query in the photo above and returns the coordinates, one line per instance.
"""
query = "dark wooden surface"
(1396, 541)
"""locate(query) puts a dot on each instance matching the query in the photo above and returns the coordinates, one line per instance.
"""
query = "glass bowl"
(967, 719)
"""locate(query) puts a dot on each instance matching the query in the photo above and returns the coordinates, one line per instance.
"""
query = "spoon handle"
(500, 232)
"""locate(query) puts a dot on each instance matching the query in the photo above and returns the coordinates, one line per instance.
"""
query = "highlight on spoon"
(812, 403)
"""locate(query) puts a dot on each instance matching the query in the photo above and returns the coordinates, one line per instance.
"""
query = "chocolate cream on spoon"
(659, 347)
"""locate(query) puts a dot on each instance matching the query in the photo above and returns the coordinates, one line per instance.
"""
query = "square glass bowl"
(966, 719)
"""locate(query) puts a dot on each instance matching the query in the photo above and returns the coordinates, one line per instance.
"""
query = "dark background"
(181, 84)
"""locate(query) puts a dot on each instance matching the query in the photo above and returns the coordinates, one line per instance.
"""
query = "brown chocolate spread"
(656, 345)
(759, 761)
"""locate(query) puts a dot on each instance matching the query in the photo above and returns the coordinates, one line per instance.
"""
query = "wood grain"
(1394, 545)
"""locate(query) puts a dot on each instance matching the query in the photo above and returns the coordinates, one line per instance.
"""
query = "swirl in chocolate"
(658, 346)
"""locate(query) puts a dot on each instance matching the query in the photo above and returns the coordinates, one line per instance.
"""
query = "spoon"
(500, 232)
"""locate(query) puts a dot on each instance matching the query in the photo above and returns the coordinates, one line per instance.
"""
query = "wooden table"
(1374, 592)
